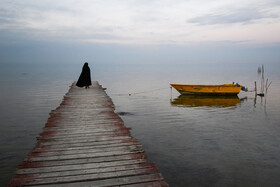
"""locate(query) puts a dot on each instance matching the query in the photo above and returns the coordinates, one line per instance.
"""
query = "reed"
(264, 85)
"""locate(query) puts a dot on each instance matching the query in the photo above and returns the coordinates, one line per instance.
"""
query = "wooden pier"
(85, 143)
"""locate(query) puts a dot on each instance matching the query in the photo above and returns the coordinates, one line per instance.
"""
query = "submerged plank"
(85, 143)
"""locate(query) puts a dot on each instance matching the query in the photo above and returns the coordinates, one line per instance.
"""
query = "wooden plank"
(86, 177)
(81, 143)
(85, 151)
(118, 181)
(86, 135)
(82, 147)
(84, 171)
(96, 132)
(84, 128)
(75, 124)
(98, 137)
(77, 156)
(82, 140)
(148, 184)
(78, 166)
(83, 160)
(68, 123)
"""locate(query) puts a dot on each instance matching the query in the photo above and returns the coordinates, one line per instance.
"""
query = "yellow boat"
(224, 89)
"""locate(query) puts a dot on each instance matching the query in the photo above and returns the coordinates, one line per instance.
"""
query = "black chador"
(84, 79)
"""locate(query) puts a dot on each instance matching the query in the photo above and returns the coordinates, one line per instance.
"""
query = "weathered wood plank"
(85, 151)
(148, 184)
(122, 167)
(82, 139)
(83, 160)
(82, 147)
(75, 124)
(77, 156)
(83, 129)
(118, 181)
(86, 177)
(78, 166)
(53, 134)
(110, 141)
(68, 126)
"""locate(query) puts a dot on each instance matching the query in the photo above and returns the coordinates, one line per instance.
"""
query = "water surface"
(194, 141)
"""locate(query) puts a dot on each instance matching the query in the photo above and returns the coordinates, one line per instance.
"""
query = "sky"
(140, 31)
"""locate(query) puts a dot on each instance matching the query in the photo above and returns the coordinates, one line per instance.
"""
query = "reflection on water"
(205, 101)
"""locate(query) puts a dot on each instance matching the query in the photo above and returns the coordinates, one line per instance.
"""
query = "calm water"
(193, 141)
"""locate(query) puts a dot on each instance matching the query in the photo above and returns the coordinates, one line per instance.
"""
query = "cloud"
(138, 22)
(244, 16)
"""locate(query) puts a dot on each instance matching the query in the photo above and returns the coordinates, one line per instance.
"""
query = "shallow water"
(193, 141)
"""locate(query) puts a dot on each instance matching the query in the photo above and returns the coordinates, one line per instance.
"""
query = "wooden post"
(256, 89)
(255, 99)
(262, 81)
(171, 93)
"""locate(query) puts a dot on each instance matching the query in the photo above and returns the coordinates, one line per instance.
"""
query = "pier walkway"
(85, 143)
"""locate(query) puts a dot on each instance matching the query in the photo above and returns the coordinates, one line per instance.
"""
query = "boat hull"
(225, 89)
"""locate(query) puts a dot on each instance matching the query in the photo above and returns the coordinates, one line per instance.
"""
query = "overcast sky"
(139, 30)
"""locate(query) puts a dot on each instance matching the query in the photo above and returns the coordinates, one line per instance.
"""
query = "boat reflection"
(205, 101)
